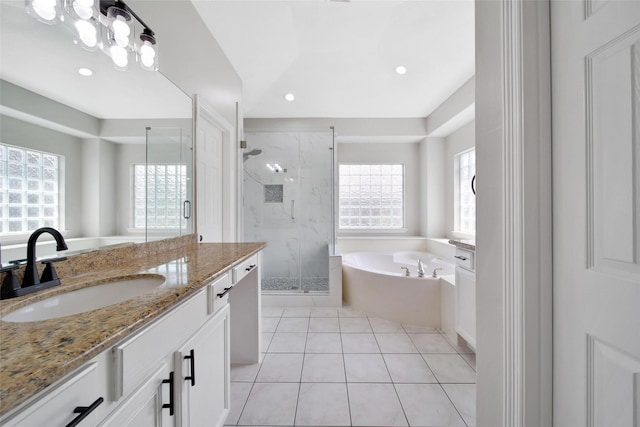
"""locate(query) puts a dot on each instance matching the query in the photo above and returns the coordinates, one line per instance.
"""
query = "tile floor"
(339, 367)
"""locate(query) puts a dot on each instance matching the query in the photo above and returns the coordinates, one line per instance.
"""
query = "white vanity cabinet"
(466, 296)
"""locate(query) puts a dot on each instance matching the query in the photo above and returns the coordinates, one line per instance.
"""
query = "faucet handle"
(10, 284)
(435, 275)
(407, 272)
(49, 273)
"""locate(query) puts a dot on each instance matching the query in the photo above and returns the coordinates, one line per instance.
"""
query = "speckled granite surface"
(464, 244)
(34, 355)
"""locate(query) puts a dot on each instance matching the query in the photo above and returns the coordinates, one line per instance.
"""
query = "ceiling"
(339, 58)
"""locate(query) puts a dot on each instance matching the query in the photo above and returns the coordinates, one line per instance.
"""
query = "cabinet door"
(144, 408)
(202, 373)
(466, 305)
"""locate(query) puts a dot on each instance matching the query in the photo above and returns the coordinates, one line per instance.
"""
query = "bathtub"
(375, 283)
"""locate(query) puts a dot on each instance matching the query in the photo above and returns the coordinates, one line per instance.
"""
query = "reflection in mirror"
(70, 144)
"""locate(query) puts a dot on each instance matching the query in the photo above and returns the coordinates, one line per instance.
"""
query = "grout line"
(454, 405)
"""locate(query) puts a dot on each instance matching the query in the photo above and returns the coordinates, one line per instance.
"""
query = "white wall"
(461, 140)
(432, 190)
(126, 156)
(407, 154)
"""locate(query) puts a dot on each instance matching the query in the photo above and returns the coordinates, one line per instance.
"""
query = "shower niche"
(288, 203)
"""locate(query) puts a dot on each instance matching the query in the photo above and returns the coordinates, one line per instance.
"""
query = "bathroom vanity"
(465, 291)
(158, 359)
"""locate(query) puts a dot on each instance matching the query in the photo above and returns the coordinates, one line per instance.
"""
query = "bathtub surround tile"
(408, 368)
(354, 325)
(280, 368)
(244, 372)
(297, 312)
(238, 397)
(270, 404)
(427, 405)
(450, 368)
(470, 358)
(375, 405)
(324, 312)
(431, 343)
(324, 324)
(366, 368)
(288, 342)
(323, 343)
(323, 405)
(271, 312)
(359, 343)
(463, 397)
(383, 325)
(323, 368)
(269, 324)
(293, 324)
(395, 343)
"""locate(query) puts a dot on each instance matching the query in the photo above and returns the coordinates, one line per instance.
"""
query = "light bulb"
(87, 33)
(83, 8)
(147, 50)
(120, 27)
(289, 97)
(401, 69)
(119, 56)
(45, 9)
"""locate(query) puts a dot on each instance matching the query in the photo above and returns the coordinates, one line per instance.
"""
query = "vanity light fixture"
(108, 25)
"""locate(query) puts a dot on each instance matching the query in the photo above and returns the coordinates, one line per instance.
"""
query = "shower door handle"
(293, 210)
(186, 209)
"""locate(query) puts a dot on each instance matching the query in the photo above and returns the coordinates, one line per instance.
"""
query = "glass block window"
(161, 203)
(371, 196)
(466, 209)
(29, 189)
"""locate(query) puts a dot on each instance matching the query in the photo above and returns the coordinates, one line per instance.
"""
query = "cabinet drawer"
(218, 293)
(136, 358)
(464, 259)
(57, 407)
(244, 268)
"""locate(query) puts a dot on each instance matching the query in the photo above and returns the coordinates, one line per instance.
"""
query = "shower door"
(168, 185)
(288, 202)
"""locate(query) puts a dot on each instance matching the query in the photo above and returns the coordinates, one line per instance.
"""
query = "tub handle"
(407, 272)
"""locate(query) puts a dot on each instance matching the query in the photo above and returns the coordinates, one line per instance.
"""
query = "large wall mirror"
(111, 153)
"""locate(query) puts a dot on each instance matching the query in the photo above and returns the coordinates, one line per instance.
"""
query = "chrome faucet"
(407, 272)
(435, 274)
(420, 269)
(32, 281)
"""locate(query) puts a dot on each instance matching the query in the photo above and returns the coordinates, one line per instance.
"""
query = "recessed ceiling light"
(289, 97)
(85, 72)
(401, 69)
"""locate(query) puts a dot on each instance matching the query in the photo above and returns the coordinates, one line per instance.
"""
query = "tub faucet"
(435, 274)
(407, 272)
(420, 269)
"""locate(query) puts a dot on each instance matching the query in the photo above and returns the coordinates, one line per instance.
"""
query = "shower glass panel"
(288, 202)
(168, 189)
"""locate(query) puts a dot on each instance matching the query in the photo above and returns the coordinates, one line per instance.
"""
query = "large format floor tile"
(431, 343)
(366, 368)
(324, 324)
(323, 405)
(288, 342)
(293, 324)
(270, 405)
(450, 368)
(395, 343)
(463, 397)
(354, 325)
(359, 343)
(281, 368)
(239, 394)
(323, 343)
(408, 368)
(427, 405)
(375, 405)
(323, 368)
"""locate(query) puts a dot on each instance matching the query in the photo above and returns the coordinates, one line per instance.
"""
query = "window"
(466, 200)
(371, 196)
(166, 188)
(29, 189)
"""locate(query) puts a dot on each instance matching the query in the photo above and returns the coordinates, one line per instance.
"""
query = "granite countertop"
(33, 355)
(464, 244)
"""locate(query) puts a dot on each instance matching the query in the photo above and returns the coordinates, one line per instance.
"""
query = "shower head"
(248, 154)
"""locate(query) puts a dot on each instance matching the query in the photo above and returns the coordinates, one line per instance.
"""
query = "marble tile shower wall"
(297, 246)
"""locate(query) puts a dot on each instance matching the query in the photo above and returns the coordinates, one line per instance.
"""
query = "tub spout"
(420, 269)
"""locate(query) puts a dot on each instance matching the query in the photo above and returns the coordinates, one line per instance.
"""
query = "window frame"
(22, 236)
(457, 232)
(374, 230)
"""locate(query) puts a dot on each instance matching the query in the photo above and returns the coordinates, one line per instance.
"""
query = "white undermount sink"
(86, 299)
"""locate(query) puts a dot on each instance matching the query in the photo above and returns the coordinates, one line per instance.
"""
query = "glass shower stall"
(288, 203)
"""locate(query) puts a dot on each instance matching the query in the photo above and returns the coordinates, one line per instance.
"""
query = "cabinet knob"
(84, 411)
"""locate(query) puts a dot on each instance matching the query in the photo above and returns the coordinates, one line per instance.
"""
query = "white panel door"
(596, 184)
(209, 149)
